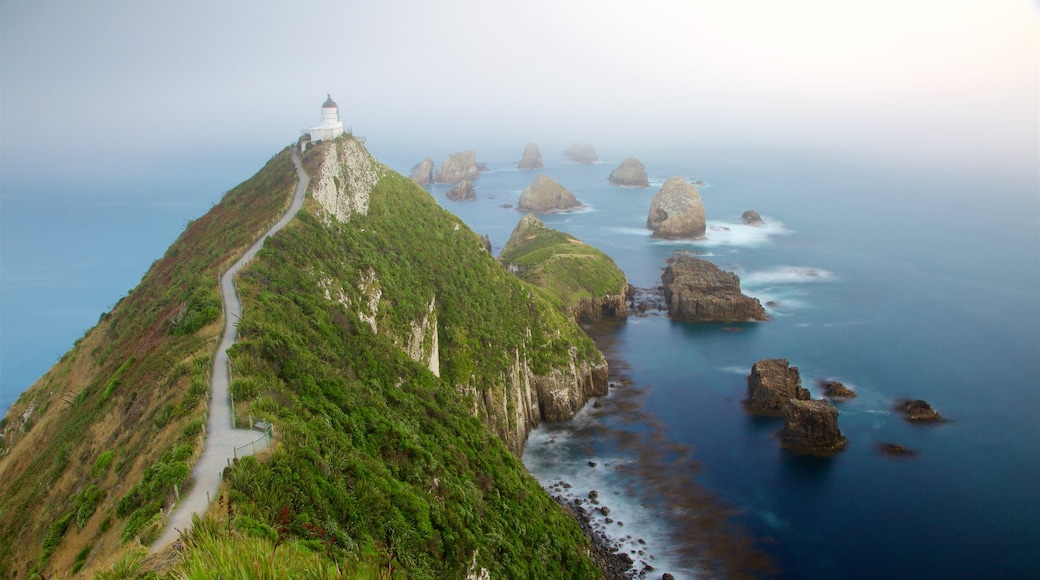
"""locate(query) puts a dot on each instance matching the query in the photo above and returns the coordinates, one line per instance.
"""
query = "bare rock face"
(771, 384)
(463, 191)
(919, 412)
(581, 153)
(630, 173)
(532, 158)
(422, 172)
(751, 218)
(456, 167)
(676, 212)
(696, 290)
(811, 427)
(836, 390)
(546, 195)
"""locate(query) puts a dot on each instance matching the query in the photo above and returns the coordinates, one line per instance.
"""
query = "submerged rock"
(456, 167)
(811, 427)
(630, 173)
(463, 191)
(771, 384)
(581, 153)
(751, 218)
(894, 450)
(919, 411)
(546, 195)
(698, 291)
(532, 158)
(676, 211)
(422, 172)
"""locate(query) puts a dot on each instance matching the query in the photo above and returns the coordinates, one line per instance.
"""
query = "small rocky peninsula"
(546, 195)
(630, 173)
(532, 158)
(581, 153)
(458, 166)
(422, 172)
(696, 290)
(676, 211)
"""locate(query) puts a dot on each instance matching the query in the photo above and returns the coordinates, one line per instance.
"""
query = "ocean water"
(899, 283)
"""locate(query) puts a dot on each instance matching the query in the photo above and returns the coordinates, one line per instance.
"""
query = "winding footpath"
(222, 438)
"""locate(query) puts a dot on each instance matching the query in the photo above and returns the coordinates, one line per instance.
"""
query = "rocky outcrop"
(630, 173)
(676, 211)
(344, 179)
(485, 240)
(546, 195)
(581, 153)
(463, 191)
(771, 384)
(751, 218)
(895, 450)
(811, 427)
(608, 306)
(456, 167)
(696, 290)
(918, 411)
(422, 172)
(836, 390)
(532, 158)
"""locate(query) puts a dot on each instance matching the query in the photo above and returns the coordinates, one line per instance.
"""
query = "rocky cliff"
(771, 384)
(631, 173)
(422, 172)
(696, 290)
(581, 153)
(586, 281)
(676, 211)
(343, 179)
(546, 195)
(458, 166)
(462, 192)
(532, 158)
(811, 427)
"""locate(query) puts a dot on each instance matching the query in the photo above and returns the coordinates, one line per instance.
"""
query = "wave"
(735, 234)
(787, 275)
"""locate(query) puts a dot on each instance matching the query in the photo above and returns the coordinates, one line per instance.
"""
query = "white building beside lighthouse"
(330, 127)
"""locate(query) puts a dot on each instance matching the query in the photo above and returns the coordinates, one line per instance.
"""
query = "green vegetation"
(567, 268)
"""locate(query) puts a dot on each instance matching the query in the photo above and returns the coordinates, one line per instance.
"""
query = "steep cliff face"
(344, 179)
(698, 291)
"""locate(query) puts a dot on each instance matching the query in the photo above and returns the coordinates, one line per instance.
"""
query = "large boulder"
(696, 290)
(463, 191)
(751, 218)
(676, 211)
(811, 427)
(581, 153)
(532, 158)
(458, 166)
(546, 195)
(631, 173)
(771, 384)
(422, 172)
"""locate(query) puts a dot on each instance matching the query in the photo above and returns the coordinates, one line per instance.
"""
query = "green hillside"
(385, 350)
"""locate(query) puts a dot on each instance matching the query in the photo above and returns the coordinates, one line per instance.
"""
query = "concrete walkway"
(221, 436)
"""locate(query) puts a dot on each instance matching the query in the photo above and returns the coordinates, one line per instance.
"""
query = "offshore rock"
(581, 153)
(771, 384)
(463, 191)
(696, 290)
(422, 172)
(456, 167)
(676, 211)
(630, 173)
(836, 390)
(751, 218)
(532, 158)
(919, 411)
(811, 427)
(546, 195)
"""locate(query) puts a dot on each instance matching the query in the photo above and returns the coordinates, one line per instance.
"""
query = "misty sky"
(949, 82)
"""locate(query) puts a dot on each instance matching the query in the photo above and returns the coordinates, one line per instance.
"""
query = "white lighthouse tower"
(330, 127)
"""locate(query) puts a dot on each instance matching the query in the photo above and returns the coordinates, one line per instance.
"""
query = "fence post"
(208, 501)
(177, 492)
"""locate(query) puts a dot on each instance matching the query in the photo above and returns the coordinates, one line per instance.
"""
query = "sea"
(900, 282)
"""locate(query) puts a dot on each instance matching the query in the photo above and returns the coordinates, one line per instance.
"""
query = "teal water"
(897, 282)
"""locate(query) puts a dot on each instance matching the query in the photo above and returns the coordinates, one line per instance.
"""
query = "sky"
(946, 83)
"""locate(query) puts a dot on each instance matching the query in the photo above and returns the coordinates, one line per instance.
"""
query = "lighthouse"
(330, 127)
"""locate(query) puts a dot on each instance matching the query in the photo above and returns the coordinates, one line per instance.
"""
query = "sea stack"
(422, 172)
(676, 211)
(459, 166)
(751, 218)
(811, 427)
(771, 384)
(630, 173)
(696, 290)
(546, 195)
(581, 153)
(532, 158)
(463, 191)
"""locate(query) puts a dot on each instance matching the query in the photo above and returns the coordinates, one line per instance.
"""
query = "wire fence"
(258, 444)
